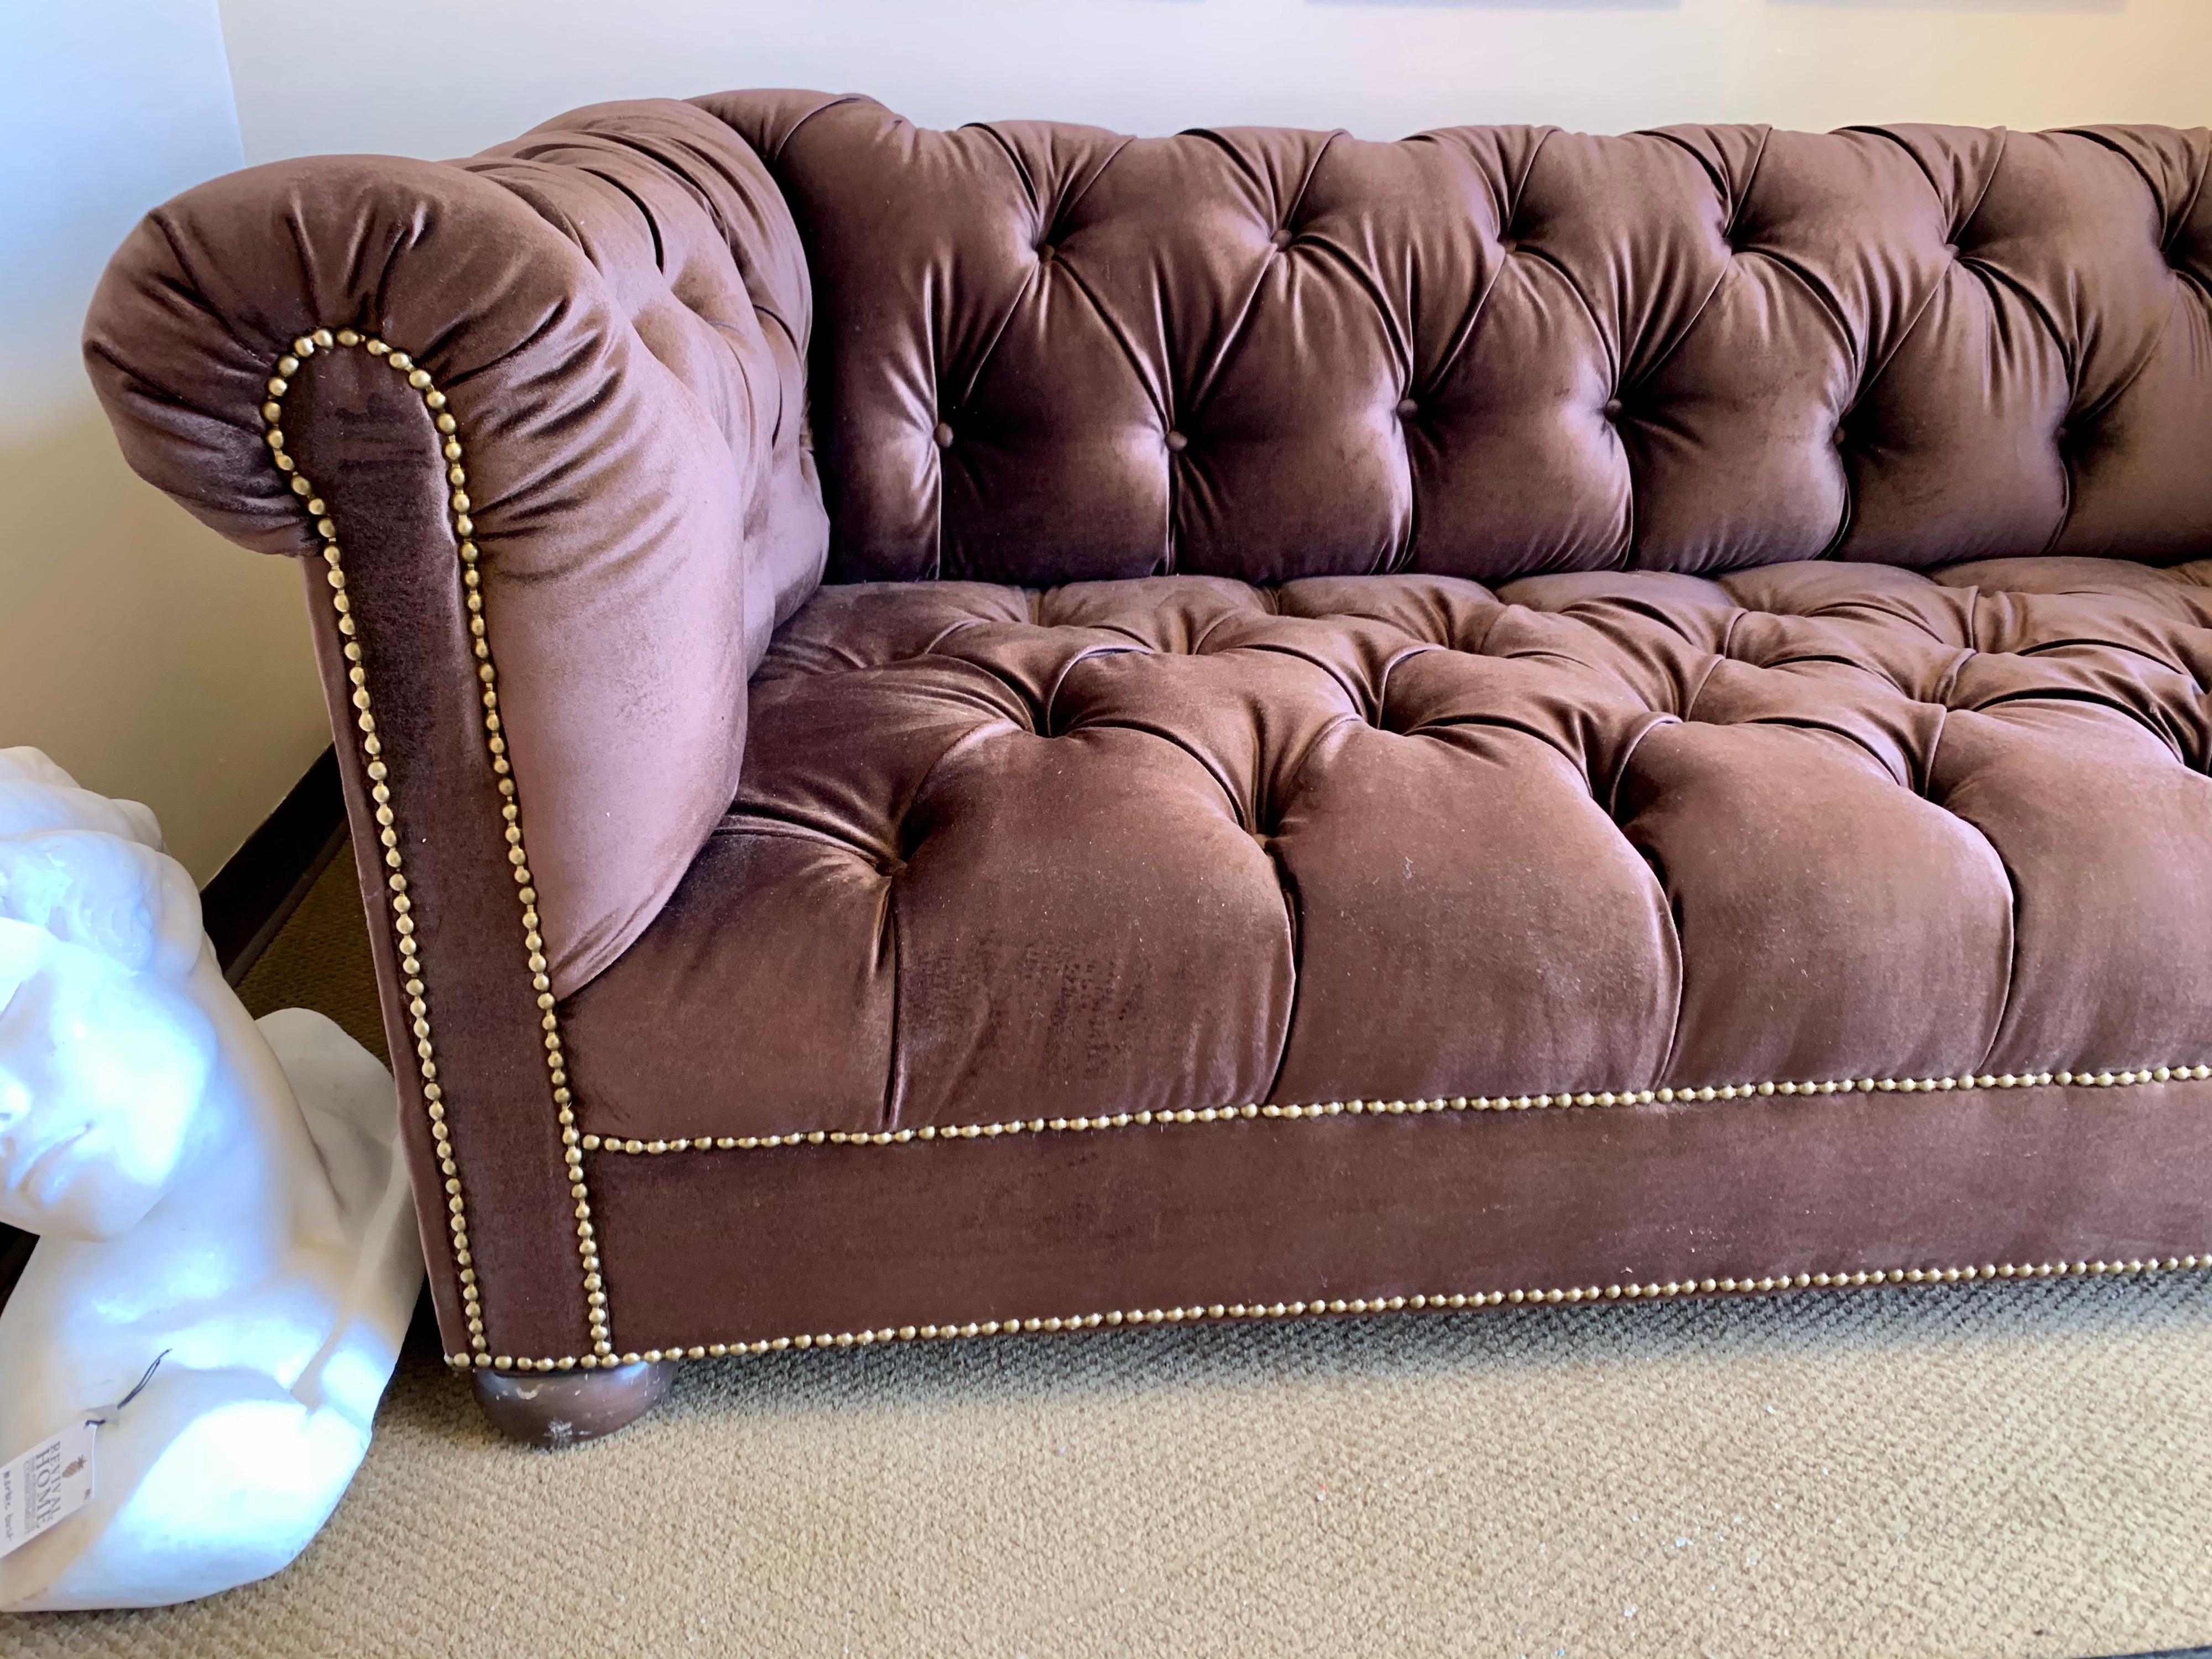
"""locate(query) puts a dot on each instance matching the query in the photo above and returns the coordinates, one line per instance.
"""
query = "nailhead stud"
(1547, 1296)
(1602, 1099)
(459, 504)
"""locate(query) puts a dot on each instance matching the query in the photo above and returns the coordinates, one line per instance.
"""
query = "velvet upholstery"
(1180, 842)
(618, 307)
(1051, 352)
(1197, 1220)
(1655, 683)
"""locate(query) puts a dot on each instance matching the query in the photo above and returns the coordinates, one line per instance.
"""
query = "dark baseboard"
(15, 1256)
(253, 895)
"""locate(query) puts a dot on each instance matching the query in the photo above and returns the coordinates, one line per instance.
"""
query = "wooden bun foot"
(569, 1407)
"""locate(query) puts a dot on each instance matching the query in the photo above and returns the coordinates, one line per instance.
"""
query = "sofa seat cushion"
(1003, 856)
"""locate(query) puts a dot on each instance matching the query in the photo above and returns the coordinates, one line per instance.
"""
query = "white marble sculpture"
(226, 1193)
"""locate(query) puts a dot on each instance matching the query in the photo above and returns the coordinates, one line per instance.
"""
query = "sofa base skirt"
(711, 1252)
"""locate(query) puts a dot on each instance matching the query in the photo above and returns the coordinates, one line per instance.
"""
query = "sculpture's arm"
(534, 423)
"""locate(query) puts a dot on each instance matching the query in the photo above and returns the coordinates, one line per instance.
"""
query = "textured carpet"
(2008, 1470)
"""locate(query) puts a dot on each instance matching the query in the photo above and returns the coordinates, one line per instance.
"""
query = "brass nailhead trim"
(1658, 1292)
(1397, 1107)
(403, 922)
(404, 928)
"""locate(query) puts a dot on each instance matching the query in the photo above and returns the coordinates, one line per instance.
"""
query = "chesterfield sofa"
(1011, 730)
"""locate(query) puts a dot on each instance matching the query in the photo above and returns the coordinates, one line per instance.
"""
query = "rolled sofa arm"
(534, 422)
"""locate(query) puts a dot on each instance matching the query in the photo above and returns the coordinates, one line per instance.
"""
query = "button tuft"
(1177, 442)
(1613, 409)
(1281, 238)
(1407, 409)
(944, 434)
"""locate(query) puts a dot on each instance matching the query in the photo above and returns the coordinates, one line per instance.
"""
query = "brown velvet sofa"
(1020, 729)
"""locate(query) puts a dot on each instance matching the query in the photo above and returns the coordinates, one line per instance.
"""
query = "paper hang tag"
(45, 1485)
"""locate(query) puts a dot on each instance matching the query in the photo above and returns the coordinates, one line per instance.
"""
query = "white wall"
(432, 78)
(147, 655)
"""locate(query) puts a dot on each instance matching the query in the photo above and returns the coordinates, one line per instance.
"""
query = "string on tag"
(137, 1389)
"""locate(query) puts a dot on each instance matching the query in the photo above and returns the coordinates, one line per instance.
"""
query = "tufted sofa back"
(1047, 352)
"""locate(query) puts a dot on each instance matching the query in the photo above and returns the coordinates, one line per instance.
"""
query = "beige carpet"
(2004, 1470)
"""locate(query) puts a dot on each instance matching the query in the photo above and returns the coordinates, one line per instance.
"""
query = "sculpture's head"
(105, 1048)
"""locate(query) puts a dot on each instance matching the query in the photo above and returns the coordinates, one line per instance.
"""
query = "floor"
(2009, 1470)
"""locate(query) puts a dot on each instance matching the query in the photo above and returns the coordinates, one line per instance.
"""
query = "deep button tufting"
(1740, 360)
(1951, 249)
(1407, 407)
(1280, 239)
(1548, 857)
(942, 435)
(1177, 442)
(1613, 409)
(1044, 253)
